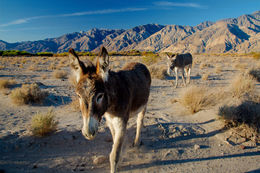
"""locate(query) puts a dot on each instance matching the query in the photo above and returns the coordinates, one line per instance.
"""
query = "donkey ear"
(76, 65)
(168, 56)
(102, 66)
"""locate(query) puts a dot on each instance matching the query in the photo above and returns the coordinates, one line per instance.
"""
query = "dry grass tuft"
(218, 69)
(196, 98)
(242, 85)
(246, 114)
(255, 73)
(28, 93)
(240, 66)
(158, 72)
(60, 74)
(204, 65)
(43, 123)
(150, 59)
(6, 83)
(205, 76)
(44, 76)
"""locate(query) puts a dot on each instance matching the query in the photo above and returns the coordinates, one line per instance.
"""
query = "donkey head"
(90, 88)
(171, 62)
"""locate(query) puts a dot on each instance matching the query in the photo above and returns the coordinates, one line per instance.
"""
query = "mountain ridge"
(239, 34)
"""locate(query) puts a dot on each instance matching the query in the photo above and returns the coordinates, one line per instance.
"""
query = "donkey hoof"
(138, 144)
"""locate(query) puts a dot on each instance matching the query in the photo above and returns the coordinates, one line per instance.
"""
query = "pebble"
(99, 159)
(242, 147)
(196, 146)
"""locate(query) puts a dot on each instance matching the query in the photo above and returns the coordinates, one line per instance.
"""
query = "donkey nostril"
(93, 133)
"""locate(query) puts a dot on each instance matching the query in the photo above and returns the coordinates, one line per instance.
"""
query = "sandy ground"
(173, 140)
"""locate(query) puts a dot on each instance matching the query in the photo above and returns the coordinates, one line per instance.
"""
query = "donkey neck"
(118, 92)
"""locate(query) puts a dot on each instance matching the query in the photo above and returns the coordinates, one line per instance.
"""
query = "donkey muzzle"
(90, 127)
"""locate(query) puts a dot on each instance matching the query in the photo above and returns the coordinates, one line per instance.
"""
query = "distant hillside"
(240, 34)
(230, 35)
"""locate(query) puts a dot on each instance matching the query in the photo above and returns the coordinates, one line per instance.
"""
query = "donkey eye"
(99, 98)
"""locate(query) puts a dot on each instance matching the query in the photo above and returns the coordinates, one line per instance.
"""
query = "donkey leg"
(176, 76)
(139, 125)
(120, 128)
(110, 125)
(182, 75)
(187, 75)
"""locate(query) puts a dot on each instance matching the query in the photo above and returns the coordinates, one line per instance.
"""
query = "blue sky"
(24, 20)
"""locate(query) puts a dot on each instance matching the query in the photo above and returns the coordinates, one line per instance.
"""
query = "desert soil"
(173, 139)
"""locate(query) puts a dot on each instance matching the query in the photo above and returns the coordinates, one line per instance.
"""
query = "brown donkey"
(116, 95)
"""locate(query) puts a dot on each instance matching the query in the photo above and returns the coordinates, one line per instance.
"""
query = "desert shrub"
(255, 55)
(6, 83)
(218, 69)
(15, 53)
(28, 93)
(59, 74)
(158, 72)
(61, 54)
(205, 76)
(43, 123)
(196, 98)
(149, 58)
(246, 113)
(240, 66)
(126, 53)
(86, 54)
(255, 73)
(204, 65)
(44, 54)
(242, 85)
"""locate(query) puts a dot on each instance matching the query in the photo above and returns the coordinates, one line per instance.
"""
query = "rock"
(242, 147)
(249, 144)
(99, 159)
(196, 146)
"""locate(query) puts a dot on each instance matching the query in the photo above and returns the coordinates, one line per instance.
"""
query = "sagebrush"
(196, 98)
(43, 123)
(28, 93)
(246, 114)
(6, 83)
(242, 85)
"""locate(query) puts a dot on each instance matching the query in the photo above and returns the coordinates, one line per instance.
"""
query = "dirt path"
(172, 140)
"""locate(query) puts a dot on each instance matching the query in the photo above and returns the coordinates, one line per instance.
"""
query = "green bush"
(44, 54)
(14, 53)
(149, 58)
(256, 55)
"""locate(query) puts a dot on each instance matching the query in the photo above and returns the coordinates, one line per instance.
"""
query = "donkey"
(116, 95)
(180, 61)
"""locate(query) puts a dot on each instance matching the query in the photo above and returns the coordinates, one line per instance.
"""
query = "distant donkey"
(116, 95)
(180, 61)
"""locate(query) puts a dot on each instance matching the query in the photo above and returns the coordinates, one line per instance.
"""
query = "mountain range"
(241, 34)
